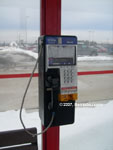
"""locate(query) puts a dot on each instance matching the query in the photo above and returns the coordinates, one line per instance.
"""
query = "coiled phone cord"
(23, 100)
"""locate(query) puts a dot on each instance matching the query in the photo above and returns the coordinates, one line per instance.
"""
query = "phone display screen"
(61, 55)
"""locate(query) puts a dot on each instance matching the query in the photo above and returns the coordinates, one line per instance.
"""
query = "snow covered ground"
(35, 55)
(92, 130)
(94, 58)
(19, 50)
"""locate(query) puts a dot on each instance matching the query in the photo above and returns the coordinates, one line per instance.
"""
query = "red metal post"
(50, 24)
(50, 19)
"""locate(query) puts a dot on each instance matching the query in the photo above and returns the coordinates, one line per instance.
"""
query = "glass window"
(19, 31)
(92, 22)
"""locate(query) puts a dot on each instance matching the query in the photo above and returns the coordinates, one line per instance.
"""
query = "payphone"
(57, 79)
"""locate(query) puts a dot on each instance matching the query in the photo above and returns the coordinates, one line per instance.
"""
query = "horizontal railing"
(27, 75)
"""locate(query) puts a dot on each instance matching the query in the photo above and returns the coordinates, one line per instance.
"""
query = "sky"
(89, 19)
(86, 14)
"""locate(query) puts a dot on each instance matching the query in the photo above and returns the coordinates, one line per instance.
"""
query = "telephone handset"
(52, 79)
(52, 84)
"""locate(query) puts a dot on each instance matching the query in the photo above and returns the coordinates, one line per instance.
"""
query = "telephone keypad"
(68, 75)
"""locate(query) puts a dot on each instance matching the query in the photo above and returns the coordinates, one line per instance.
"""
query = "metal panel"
(16, 137)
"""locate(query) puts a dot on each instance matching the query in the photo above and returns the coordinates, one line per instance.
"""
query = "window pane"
(92, 22)
(19, 31)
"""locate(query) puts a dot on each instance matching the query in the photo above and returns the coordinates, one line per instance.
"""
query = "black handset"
(52, 84)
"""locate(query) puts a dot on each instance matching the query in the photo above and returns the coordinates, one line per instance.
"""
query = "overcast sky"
(82, 16)
(17, 14)
(88, 14)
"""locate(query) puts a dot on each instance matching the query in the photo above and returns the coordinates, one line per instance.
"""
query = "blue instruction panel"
(66, 40)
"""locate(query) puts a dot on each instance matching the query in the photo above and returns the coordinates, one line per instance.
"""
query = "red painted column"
(50, 17)
(50, 24)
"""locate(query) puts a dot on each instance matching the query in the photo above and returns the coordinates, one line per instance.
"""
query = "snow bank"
(35, 55)
(19, 50)
(96, 58)
(92, 130)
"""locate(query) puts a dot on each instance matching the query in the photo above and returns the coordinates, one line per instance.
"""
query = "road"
(90, 88)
